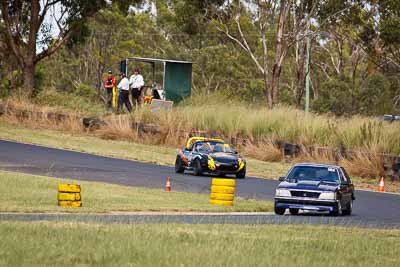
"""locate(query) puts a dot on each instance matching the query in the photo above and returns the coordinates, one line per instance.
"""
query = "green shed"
(176, 78)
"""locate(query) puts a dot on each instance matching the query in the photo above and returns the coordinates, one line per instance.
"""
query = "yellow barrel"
(219, 196)
(73, 204)
(69, 196)
(223, 182)
(69, 188)
(221, 202)
(222, 189)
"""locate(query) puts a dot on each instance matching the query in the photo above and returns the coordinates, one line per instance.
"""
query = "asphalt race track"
(371, 209)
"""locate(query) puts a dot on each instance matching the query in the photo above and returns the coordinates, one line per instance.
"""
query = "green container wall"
(177, 81)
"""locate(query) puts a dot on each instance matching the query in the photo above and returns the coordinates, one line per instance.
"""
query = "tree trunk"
(300, 72)
(280, 52)
(28, 73)
(267, 91)
(276, 73)
(355, 57)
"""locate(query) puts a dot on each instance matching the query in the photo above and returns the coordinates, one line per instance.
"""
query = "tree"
(29, 24)
(250, 28)
(269, 39)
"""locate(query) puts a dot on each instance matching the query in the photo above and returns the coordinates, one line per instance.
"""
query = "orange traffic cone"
(381, 187)
(168, 184)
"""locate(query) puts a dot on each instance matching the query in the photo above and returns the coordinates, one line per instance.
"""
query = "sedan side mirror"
(282, 178)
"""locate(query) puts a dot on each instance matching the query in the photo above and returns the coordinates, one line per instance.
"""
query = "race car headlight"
(211, 164)
(241, 164)
(282, 193)
(328, 196)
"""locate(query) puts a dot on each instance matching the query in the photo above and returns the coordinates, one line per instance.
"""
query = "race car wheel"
(294, 211)
(241, 174)
(349, 209)
(279, 211)
(179, 165)
(197, 167)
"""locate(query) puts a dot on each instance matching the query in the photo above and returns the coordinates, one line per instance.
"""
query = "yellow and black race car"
(210, 155)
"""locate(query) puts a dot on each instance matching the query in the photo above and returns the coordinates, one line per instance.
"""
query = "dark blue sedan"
(315, 187)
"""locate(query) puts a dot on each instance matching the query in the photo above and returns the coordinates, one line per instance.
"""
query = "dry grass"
(364, 164)
(117, 128)
(22, 111)
(265, 151)
(318, 155)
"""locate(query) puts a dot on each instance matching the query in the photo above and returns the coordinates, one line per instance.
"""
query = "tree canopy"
(249, 49)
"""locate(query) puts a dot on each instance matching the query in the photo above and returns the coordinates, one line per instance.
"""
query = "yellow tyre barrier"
(66, 203)
(218, 196)
(222, 189)
(223, 182)
(69, 196)
(221, 202)
(69, 188)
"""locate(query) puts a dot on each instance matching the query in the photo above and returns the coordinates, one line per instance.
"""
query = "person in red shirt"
(109, 84)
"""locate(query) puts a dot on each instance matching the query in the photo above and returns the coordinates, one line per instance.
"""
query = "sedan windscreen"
(313, 173)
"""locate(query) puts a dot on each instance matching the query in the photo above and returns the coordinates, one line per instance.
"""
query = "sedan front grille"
(304, 194)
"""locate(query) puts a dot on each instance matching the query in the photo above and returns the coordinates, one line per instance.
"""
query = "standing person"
(136, 83)
(123, 97)
(109, 84)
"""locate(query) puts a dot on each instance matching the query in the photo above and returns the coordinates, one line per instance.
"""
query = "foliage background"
(354, 53)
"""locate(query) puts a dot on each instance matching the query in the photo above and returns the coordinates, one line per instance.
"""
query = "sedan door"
(346, 189)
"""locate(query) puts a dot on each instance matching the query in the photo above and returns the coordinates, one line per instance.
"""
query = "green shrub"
(374, 97)
(85, 90)
(38, 79)
(334, 96)
(54, 98)
(5, 89)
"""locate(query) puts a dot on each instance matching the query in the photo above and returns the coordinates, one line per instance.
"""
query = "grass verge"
(29, 193)
(69, 244)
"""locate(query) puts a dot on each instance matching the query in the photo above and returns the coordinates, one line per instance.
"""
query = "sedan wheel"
(294, 211)
(279, 211)
(349, 209)
(337, 211)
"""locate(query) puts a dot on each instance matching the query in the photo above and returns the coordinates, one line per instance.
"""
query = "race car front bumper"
(225, 168)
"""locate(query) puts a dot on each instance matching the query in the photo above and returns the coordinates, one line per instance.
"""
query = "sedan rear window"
(314, 173)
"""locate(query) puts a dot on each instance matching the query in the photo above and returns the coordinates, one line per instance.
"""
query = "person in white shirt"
(123, 97)
(136, 83)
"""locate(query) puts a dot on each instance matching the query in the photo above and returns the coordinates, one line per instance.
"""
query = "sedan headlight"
(282, 193)
(328, 196)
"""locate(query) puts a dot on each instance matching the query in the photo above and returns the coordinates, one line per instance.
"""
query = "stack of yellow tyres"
(69, 195)
(222, 191)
